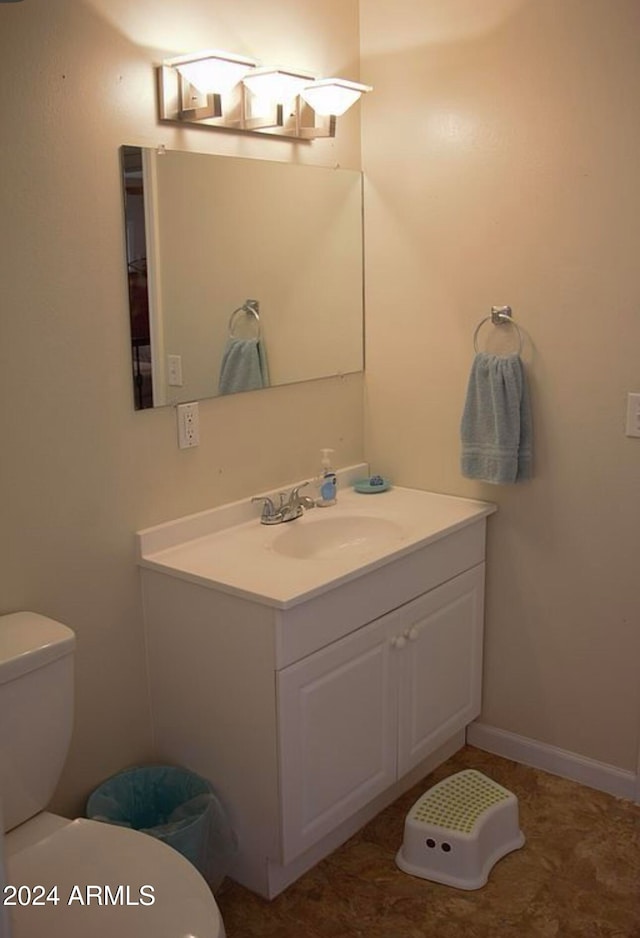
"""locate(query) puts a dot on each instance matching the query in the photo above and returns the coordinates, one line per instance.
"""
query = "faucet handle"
(297, 501)
(268, 509)
(293, 498)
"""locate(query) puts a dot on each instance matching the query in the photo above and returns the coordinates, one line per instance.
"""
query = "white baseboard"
(560, 762)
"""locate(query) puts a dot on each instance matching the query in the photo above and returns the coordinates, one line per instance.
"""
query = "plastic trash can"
(174, 805)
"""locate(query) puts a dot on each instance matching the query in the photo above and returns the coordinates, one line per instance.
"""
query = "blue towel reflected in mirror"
(243, 367)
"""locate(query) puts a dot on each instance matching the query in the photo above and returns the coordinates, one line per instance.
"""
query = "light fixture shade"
(276, 85)
(333, 96)
(212, 71)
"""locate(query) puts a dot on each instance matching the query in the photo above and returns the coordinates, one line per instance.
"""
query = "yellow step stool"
(458, 830)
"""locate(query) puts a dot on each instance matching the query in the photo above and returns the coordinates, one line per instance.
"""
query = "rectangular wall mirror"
(204, 235)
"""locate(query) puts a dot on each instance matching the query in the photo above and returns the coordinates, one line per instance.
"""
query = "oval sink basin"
(330, 535)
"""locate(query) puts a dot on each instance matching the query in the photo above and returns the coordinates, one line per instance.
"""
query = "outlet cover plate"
(188, 425)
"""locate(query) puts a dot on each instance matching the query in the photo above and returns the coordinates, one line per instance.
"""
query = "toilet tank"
(36, 711)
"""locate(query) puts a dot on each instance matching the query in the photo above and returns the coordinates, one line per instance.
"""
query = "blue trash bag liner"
(173, 805)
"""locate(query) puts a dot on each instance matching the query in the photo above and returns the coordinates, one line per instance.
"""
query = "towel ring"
(500, 316)
(249, 308)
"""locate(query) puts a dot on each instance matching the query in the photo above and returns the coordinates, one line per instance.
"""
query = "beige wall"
(500, 151)
(79, 470)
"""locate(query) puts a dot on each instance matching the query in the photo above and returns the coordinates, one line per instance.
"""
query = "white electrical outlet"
(188, 425)
(633, 415)
(174, 371)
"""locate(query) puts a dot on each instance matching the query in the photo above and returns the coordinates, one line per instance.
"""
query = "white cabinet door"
(441, 666)
(338, 716)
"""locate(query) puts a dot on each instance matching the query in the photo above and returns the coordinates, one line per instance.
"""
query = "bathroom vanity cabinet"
(309, 716)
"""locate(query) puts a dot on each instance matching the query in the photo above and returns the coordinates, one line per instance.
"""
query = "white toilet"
(69, 879)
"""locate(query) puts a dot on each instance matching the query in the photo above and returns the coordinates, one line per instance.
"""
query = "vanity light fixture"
(266, 93)
(190, 87)
(212, 72)
(333, 95)
(277, 85)
(223, 90)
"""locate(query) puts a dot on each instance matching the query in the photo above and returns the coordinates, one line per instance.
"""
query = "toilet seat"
(116, 863)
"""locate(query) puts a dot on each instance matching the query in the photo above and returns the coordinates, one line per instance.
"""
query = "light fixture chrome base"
(180, 102)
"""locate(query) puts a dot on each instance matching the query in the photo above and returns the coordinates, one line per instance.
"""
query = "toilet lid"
(108, 881)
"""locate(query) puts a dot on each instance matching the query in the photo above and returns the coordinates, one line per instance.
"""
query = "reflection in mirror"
(134, 210)
(243, 273)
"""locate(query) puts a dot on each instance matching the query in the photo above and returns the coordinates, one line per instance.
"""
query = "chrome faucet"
(291, 506)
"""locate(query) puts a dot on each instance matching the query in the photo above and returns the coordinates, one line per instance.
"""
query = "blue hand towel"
(496, 422)
(243, 367)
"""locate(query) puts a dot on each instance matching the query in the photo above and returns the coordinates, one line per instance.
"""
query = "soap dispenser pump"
(328, 481)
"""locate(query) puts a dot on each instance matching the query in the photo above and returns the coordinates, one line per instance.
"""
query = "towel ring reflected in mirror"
(500, 316)
(248, 308)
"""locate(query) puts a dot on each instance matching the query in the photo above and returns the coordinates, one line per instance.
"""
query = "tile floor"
(578, 875)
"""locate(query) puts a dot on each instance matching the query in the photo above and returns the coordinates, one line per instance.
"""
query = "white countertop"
(222, 550)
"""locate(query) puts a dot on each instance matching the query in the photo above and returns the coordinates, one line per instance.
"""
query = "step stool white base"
(458, 830)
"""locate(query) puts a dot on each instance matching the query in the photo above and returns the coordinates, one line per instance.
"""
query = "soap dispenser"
(328, 482)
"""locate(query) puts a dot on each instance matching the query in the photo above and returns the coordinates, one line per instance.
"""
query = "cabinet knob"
(412, 633)
(398, 641)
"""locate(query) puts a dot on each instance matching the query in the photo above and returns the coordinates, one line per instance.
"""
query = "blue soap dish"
(372, 486)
